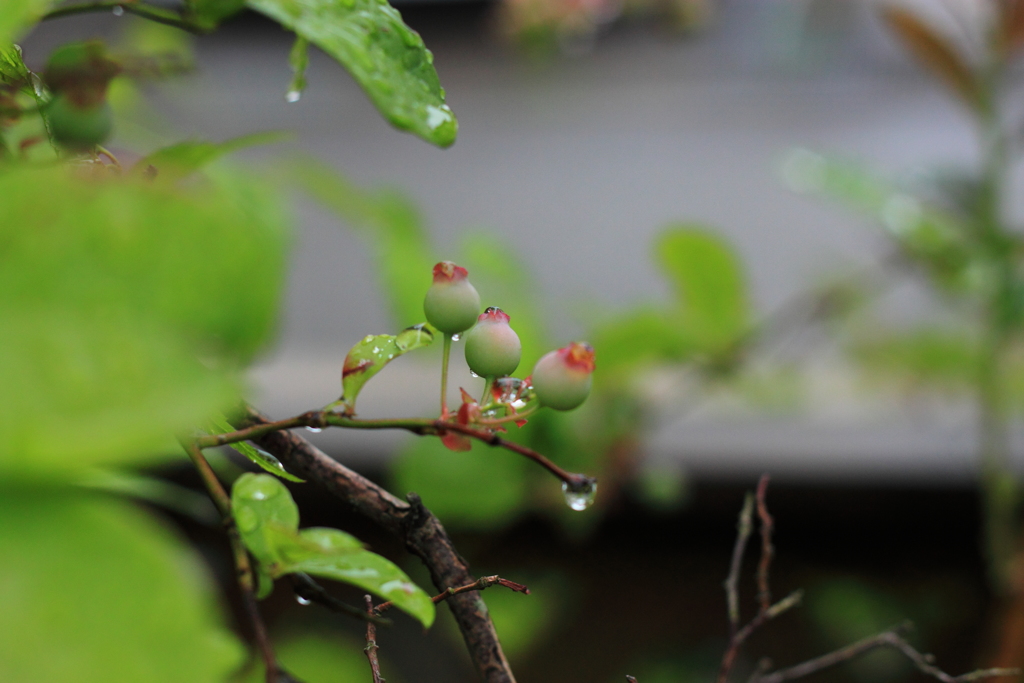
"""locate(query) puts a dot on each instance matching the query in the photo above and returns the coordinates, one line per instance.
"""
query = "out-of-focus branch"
(766, 611)
(892, 638)
(410, 521)
(246, 581)
(743, 528)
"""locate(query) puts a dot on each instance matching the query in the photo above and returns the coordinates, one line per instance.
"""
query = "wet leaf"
(372, 353)
(935, 52)
(265, 460)
(268, 520)
(386, 57)
(94, 591)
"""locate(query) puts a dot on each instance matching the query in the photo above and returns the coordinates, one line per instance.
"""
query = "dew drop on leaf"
(293, 96)
(118, 11)
(303, 601)
(456, 337)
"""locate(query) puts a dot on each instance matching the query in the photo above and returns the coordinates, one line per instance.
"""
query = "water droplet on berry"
(293, 96)
(118, 11)
(303, 601)
(456, 337)
(315, 430)
(580, 497)
(473, 373)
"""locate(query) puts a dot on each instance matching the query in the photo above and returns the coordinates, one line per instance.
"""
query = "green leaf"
(210, 13)
(184, 158)
(709, 284)
(12, 67)
(268, 521)
(263, 508)
(403, 255)
(265, 460)
(93, 591)
(386, 57)
(370, 355)
(19, 15)
(113, 288)
(298, 58)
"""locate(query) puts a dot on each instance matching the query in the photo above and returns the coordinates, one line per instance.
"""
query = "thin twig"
(413, 524)
(766, 611)
(371, 643)
(764, 592)
(743, 528)
(308, 589)
(420, 426)
(891, 638)
(243, 566)
(157, 14)
(630, 679)
(478, 585)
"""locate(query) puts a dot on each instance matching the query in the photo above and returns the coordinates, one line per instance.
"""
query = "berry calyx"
(492, 347)
(452, 303)
(562, 379)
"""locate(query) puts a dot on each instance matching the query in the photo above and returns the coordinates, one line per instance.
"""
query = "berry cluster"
(560, 380)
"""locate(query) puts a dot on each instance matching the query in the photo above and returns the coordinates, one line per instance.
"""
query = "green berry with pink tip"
(562, 379)
(452, 303)
(492, 347)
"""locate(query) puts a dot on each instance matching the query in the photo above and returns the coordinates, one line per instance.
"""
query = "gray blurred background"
(579, 161)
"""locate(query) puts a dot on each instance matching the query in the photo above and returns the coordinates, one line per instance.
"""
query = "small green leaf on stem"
(370, 355)
(268, 462)
(268, 521)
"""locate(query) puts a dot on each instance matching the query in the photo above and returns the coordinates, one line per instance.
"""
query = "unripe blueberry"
(562, 378)
(76, 127)
(451, 304)
(492, 347)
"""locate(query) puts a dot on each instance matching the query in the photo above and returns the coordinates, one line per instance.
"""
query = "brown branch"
(766, 611)
(478, 585)
(764, 592)
(308, 589)
(318, 419)
(891, 638)
(410, 521)
(243, 566)
(743, 528)
(371, 643)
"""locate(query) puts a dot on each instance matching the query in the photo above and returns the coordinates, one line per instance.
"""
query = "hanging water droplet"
(303, 601)
(293, 96)
(581, 496)
(456, 337)
(118, 11)
(315, 430)
(473, 373)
